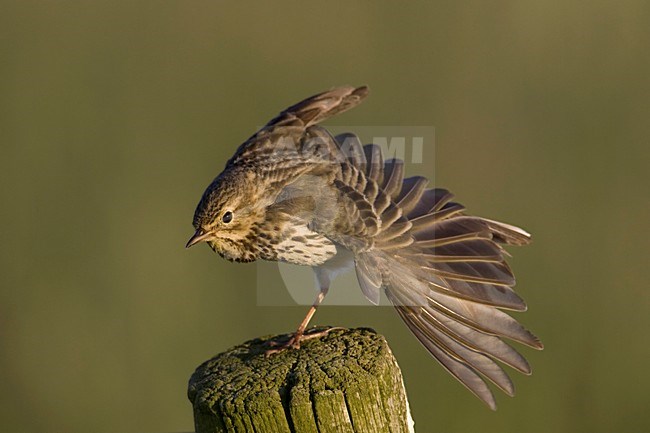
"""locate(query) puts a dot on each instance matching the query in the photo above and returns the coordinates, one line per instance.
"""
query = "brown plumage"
(294, 193)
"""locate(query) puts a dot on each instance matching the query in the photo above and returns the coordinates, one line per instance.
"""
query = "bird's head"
(228, 214)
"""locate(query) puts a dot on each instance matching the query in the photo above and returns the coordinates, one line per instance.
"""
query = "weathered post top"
(345, 381)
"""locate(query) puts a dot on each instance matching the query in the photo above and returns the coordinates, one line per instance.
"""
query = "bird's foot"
(278, 346)
(298, 337)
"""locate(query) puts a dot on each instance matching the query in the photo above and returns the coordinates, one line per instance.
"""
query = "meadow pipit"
(295, 193)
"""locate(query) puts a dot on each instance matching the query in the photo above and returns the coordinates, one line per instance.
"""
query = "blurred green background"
(115, 115)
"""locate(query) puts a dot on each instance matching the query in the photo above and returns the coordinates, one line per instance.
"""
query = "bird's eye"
(227, 217)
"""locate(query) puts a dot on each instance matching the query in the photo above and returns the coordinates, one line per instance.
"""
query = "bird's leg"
(299, 335)
(300, 332)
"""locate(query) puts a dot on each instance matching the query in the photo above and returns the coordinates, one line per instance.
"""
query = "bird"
(295, 193)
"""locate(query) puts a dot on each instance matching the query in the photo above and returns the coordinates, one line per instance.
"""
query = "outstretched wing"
(444, 271)
(280, 143)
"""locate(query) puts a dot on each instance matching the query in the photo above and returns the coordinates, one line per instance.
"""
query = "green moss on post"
(346, 381)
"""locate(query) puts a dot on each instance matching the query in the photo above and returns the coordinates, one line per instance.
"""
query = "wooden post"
(345, 381)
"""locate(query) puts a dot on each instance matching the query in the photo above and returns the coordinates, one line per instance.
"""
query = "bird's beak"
(198, 236)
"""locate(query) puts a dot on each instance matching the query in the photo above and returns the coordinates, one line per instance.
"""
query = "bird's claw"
(292, 343)
(296, 339)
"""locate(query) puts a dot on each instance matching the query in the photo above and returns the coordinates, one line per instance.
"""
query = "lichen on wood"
(344, 381)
